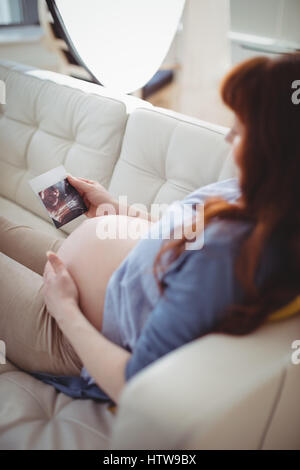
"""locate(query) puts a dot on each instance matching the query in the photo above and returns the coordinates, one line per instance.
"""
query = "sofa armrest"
(216, 392)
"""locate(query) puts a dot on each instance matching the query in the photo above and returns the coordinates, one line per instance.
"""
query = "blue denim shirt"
(200, 284)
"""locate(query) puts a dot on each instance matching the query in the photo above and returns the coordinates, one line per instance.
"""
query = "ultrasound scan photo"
(63, 202)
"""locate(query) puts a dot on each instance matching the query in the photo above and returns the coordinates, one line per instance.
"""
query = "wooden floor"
(213, 110)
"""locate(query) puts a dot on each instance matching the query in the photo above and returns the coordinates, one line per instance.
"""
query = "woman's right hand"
(93, 194)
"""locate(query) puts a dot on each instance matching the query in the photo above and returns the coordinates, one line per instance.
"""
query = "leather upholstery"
(166, 156)
(45, 124)
(219, 392)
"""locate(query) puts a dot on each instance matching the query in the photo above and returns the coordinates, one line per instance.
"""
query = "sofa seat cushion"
(22, 216)
(45, 419)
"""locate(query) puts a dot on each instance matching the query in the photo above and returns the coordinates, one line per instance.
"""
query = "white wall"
(31, 54)
(205, 59)
(279, 19)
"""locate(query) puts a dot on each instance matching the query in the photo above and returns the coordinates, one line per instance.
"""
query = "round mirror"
(121, 42)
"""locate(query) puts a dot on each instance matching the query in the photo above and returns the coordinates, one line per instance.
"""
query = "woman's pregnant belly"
(92, 260)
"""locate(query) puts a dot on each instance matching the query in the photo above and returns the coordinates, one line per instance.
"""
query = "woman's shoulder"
(221, 244)
(228, 189)
(222, 233)
(221, 238)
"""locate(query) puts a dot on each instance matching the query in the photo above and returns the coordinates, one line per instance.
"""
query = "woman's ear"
(236, 149)
(229, 136)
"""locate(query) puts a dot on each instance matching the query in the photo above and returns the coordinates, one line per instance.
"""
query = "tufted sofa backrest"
(147, 153)
(166, 155)
(49, 120)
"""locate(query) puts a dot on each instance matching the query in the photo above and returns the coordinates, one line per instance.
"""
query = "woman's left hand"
(59, 289)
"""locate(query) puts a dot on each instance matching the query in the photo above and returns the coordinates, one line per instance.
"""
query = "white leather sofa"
(219, 392)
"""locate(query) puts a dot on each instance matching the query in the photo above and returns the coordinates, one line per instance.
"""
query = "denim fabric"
(75, 387)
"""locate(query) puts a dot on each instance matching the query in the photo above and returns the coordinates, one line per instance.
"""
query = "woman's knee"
(32, 337)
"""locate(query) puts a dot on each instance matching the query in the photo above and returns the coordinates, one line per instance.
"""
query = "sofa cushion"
(34, 416)
(21, 216)
(166, 155)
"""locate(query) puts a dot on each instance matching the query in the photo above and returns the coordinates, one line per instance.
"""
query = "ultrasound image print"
(63, 202)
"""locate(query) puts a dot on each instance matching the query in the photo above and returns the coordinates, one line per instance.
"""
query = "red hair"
(259, 91)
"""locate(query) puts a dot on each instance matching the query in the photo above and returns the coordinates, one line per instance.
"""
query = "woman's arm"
(133, 211)
(100, 202)
(104, 360)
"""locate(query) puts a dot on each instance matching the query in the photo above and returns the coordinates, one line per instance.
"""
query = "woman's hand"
(59, 289)
(93, 193)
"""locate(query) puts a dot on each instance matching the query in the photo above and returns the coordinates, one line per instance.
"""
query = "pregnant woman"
(99, 311)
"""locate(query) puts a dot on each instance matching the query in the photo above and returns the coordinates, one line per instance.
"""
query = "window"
(18, 12)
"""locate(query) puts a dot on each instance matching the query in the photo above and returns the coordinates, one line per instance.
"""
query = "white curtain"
(205, 59)
(5, 13)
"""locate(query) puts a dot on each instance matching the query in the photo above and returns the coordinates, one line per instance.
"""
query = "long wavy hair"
(259, 92)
